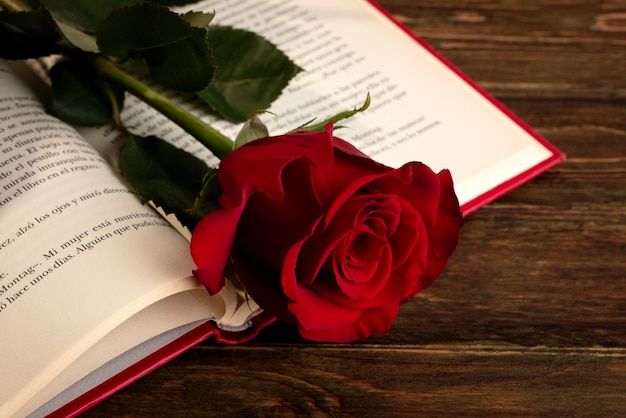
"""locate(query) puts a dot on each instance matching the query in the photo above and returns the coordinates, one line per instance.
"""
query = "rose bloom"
(325, 237)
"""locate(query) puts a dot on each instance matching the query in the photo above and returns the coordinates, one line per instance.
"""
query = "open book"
(96, 288)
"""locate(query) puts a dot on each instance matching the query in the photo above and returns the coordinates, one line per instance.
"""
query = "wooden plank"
(516, 48)
(376, 382)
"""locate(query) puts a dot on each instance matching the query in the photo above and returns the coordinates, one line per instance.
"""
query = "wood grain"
(379, 381)
(530, 317)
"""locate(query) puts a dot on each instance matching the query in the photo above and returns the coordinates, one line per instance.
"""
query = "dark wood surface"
(530, 317)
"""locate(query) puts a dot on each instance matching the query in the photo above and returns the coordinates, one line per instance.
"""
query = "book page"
(79, 253)
(421, 110)
(119, 350)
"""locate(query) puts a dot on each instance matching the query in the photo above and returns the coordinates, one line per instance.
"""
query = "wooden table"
(530, 317)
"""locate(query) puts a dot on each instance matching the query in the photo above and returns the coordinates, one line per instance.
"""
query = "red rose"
(325, 237)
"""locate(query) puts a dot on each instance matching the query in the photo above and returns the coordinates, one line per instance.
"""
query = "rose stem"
(218, 143)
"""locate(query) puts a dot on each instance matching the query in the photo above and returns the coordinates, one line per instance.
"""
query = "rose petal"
(373, 281)
(263, 285)
(289, 277)
(261, 163)
(399, 219)
(405, 237)
(315, 312)
(358, 254)
(316, 250)
(370, 321)
(211, 242)
(444, 234)
(414, 182)
(350, 170)
(268, 228)
(402, 279)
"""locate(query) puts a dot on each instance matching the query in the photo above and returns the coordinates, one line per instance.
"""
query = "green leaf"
(198, 19)
(164, 174)
(78, 98)
(252, 130)
(85, 15)
(177, 54)
(79, 38)
(251, 73)
(30, 34)
(321, 126)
